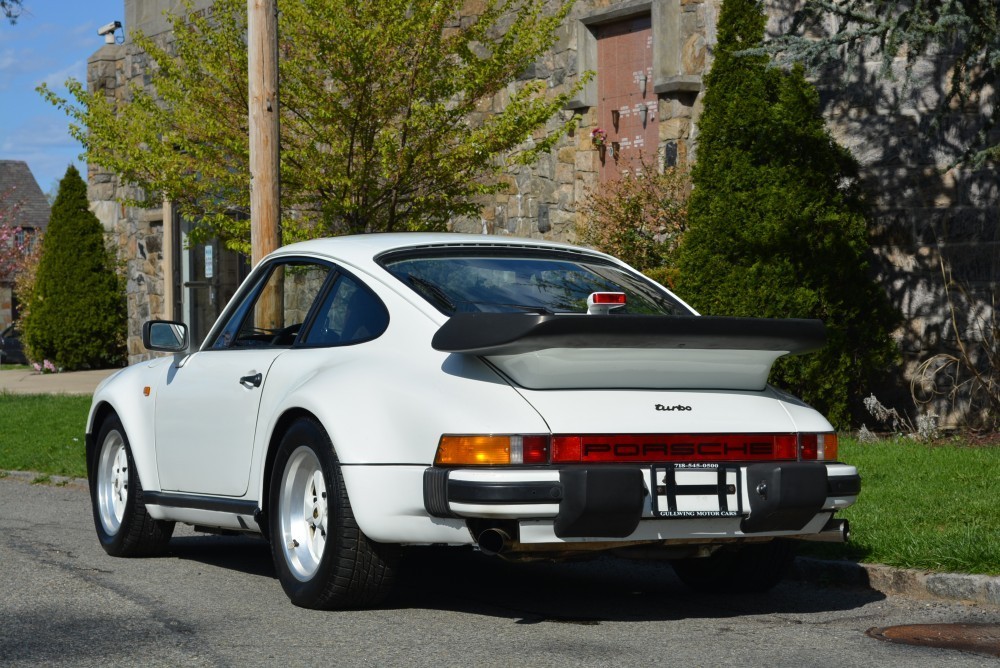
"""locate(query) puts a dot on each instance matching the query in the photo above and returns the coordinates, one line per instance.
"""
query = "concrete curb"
(962, 587)
(42, 479)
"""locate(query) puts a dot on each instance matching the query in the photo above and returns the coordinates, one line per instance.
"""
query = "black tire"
(322, 558)
(123, 526)
(750, 568)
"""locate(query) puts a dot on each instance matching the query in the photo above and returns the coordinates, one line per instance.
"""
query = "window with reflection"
(273, 313)
(350, 313)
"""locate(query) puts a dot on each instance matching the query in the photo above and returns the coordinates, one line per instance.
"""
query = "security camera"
(108, 31)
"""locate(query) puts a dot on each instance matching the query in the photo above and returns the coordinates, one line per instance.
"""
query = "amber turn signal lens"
(473, 451)
(830, 446)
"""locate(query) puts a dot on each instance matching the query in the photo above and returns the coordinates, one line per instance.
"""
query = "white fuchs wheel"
(323, 560)
(112, 481)
(123, 526)
(302, 513)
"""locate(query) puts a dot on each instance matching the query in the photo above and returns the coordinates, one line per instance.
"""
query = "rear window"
(521, 280)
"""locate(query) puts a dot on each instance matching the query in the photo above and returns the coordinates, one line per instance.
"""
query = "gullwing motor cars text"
(532, 399)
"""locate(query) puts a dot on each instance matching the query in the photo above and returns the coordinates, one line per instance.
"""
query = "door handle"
(254, 380)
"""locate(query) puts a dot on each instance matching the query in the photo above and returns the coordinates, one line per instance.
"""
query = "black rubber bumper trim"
(436, 492)
(600, 501)
(784, 496)
(466, 491)
(214, 503)
(843, 485)
(439, 491)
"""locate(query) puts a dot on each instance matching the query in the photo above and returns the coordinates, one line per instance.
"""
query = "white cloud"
(18, 62)
(44, 143)
(39, 132)
(56, 80)
(84, 36)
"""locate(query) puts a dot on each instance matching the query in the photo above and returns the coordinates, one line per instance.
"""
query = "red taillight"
(818, 446)
(606, 448)
(535, 449)
(567, 448)
(492, 450)
(807, 446)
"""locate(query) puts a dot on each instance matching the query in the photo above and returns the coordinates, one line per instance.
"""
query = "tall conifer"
(76, 317)
(777, 220)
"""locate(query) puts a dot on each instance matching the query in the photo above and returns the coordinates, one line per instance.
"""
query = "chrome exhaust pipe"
(835, 531)
(493, 541)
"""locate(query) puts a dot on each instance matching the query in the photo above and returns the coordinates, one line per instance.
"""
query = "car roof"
(363, 248)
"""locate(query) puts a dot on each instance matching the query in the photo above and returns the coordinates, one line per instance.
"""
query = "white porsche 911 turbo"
(532, 399)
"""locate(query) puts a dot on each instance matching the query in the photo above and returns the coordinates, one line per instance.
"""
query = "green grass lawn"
(43, 433)
(932, 507)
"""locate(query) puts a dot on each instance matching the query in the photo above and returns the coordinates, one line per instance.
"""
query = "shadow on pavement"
(582, 592)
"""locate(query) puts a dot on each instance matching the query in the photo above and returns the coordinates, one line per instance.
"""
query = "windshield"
(521, 280)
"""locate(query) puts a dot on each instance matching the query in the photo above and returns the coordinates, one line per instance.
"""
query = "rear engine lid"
(610, 411)
(547, 351)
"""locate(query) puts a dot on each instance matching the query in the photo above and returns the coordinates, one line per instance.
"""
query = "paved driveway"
(214, 601)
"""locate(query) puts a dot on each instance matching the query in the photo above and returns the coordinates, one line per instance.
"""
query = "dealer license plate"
(686, 490)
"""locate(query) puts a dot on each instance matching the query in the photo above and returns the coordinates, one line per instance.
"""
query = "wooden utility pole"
(262, 48)
(265, 207)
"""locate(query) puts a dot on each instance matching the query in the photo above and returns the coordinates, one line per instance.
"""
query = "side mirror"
(165, 336)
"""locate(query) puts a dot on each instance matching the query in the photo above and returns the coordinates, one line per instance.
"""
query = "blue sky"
(50, 42)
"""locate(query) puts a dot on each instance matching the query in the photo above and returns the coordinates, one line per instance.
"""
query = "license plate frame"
(696, 490)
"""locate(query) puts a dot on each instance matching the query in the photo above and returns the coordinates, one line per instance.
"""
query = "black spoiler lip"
(515, 333)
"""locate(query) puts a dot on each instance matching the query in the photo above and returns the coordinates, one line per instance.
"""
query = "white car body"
(203, 434)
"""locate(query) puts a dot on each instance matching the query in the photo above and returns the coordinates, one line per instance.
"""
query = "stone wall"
(138, 233)
(546, 200)
(927, 213)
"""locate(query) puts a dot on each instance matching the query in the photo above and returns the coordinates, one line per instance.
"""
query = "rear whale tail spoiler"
(542, 352)
(518, 333)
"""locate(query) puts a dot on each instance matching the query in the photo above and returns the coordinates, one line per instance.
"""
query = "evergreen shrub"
(777, 221)
(77, 311)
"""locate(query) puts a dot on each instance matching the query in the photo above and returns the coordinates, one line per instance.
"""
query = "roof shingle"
(18, 189)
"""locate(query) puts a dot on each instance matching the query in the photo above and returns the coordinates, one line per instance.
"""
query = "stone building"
(27, 208)
(649, 57)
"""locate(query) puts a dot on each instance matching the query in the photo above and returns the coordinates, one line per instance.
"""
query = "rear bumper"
(612, 501)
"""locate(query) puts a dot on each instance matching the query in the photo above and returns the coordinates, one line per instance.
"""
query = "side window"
(273, 313)
(351, 313)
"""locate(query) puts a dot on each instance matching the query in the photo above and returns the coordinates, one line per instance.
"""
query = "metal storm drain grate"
(978, 638)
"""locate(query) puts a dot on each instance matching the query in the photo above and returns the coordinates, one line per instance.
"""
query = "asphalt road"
(214, 601)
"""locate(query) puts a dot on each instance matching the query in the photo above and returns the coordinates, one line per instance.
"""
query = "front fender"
(124, 393)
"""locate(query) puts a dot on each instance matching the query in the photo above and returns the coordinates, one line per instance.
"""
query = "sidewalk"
(26, 381)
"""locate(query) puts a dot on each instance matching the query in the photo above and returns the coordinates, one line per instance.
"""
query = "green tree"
(963, 35)
(776, 223)
(382, 113)
(76, 312)
(11, 9)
